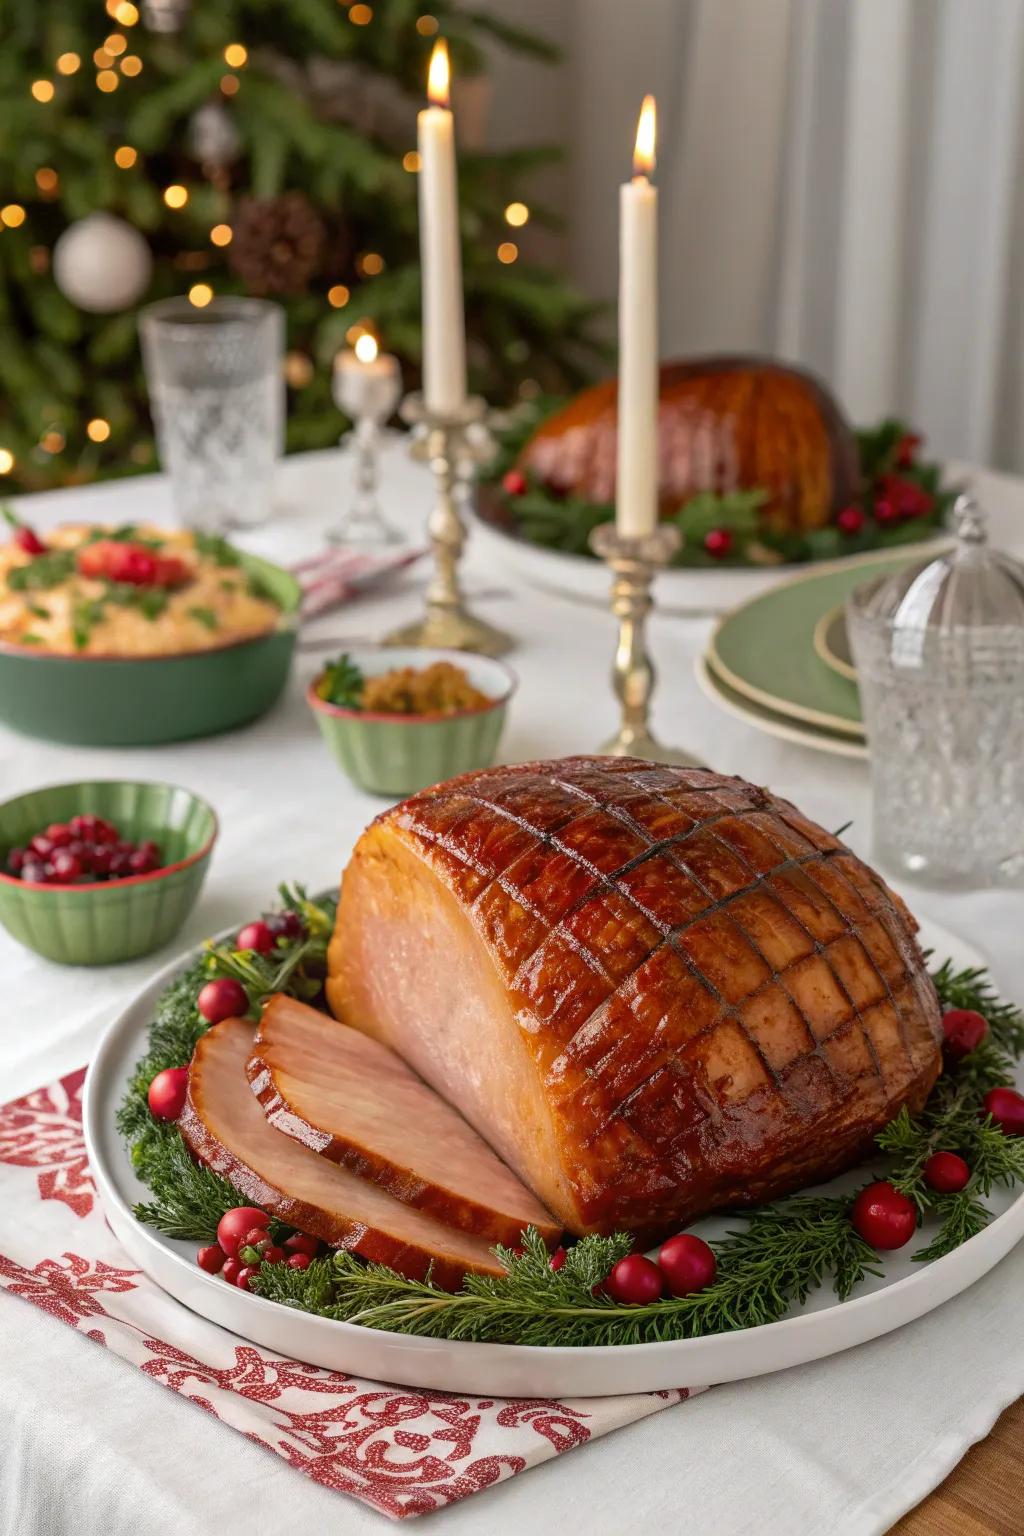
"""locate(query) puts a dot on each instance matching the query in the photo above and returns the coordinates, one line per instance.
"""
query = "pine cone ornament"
(278, 243)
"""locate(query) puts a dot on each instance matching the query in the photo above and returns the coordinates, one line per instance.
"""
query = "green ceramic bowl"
(99, 701)
(399, 754)
(118, 919)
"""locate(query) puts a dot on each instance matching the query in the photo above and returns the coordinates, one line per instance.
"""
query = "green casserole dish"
(100, 701)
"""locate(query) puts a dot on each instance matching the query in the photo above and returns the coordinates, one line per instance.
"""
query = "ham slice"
(655, 991)
(224, 1126)
(356, 1103)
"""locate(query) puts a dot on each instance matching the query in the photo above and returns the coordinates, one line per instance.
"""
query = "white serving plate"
(824, 1327)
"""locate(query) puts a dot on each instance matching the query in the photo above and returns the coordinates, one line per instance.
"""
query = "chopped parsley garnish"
(37, 610)
(204, 616)
(84, 618)
(342, 684)
(217, 548)
(30, 639)
(44, 571)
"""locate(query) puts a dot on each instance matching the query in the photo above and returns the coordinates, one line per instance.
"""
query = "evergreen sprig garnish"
(767, 1265)
(341, 683)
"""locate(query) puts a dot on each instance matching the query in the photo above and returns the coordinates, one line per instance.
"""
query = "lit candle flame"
(366, 347)
(646, 134)
(439, 74)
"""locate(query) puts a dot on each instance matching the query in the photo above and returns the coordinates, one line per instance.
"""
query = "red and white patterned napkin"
(335, 575)
(402, 1451)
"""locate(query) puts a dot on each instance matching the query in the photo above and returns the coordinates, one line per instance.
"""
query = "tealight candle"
(636, 497)
(367, 382)
(444, 321)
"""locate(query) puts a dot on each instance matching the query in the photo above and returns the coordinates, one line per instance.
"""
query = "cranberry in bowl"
(99, 872)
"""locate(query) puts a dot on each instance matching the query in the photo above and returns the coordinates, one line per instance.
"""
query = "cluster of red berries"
(883, 1216)
(136, 564)
(685, 1264)
(896, 499)
(81, 851)
(244, 1243)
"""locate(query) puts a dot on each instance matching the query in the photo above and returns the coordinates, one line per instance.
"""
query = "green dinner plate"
(813, 736)
(765, 649)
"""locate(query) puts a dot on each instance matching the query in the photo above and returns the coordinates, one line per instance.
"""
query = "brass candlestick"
(634, 562)
(452, 445)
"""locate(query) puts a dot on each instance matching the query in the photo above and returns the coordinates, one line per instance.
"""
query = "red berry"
(224, 998)
(235, 1224)
(28, 540)
(286, 925)
(687, 1263)
(514, 482)
(1006, 1106)
(557, 1259)
(635, 1280)
(211, 1259)
(883, 1217)
(167, 1091)
(885, 510)
(66, 866)
(100, 859)
(272, 1254)
(850, 520)
(255, 1236)
(34, 871)
(718, 542)
(60, 834)
(299, 1261)
(963, 1030)
(301, 1242)
(245, 1274)
(105, 831)
(255, 936)
(906, 449)
(946, 1173)
(41, 845)
(231, 1270)
(141, 862)
(16, 860)
(83, 826)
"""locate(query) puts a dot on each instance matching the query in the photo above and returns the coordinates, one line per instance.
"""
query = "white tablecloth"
(89, 1445)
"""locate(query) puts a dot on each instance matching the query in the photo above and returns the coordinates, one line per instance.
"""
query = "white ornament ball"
(102, 264)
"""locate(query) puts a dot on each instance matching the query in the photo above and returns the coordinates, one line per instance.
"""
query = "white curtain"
(840, 186)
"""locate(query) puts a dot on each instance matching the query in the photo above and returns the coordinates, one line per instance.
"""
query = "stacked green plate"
(781, 661)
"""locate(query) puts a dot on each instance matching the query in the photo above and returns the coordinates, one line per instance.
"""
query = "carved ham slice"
(225, 1128)
(655, 991)
(355, 1102)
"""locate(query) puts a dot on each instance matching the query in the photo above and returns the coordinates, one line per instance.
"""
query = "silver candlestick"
(452, 445)
(634, 562)
(367, 387)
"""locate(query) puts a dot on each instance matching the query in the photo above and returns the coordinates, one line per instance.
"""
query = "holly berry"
(224, 998)
(65, 866)
(301, 1242)
(906, 449)
(687, 1263)
(850, 520)
(211, 1259)
(28, 540)
(235, 1225)
(166, 1095)
(557, 1259)
(963, 1030)
(245, 1274)
(885, 510)
(883, 1217)
(230, 1270)
(255, 936)
(514, 482)
(718, 542)
(635, 1281)
(946, 1173)
(299, 1261)
(1006, 1106)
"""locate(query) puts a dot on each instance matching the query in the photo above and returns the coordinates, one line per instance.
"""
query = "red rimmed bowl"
(396, 755)
(114, 920)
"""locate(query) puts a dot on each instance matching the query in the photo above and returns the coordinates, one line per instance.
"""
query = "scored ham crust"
(655, 991)
(355, 1102)
(224, 1127)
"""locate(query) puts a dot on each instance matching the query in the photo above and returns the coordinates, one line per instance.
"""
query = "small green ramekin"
(114, 920)
(396, 755)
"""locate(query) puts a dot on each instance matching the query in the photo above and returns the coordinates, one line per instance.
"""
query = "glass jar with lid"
(939, 652)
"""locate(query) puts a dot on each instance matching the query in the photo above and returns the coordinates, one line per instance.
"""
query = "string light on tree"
(175, 196)
(13, 215)
(360, 15)
(131, 65)
(6, 461)
(98, 430)
(516, 214)
(107, 81)
(68, 64)
(235, 55)
(411, 161)
(298, 370)
(220, 234)
(43, 90)
(52, 441)
(116, 44)
(229, 85)
(200, 294)
(125, 13)
(426, 26)
(102, 59)
(370, 264)
(508, 252)
(338, 296)
(125, 157)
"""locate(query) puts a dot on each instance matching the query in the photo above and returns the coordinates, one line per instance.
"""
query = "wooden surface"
(984, 1494)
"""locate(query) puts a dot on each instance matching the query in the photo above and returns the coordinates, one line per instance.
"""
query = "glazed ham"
(224, 1127)
(655, 991)
(355, 1102)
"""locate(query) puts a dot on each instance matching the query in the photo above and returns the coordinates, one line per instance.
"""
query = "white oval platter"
(905, 1292)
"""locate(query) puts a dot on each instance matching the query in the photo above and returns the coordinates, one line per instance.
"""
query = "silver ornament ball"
(101, 264)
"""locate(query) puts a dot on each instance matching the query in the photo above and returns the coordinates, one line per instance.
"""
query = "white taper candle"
(444, 322)
(636, 497)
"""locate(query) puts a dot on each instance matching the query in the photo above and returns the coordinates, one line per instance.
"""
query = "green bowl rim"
(341, 712)
(154, 874)
(288, 622)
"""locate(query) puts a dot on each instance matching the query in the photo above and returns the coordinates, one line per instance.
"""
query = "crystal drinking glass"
(216, 388)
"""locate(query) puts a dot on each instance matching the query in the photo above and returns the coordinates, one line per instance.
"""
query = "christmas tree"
(240, 147)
